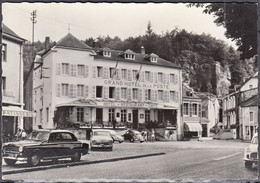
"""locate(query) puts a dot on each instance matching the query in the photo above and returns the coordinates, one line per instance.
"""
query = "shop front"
(192, 129)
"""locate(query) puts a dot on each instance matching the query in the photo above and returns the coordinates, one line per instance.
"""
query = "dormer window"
(153, 59)
(106, 53)
(130, 56)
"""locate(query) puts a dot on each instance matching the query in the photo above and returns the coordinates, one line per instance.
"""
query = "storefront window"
(147, 116)
(111, 115)
(80, 114)
(123, 115)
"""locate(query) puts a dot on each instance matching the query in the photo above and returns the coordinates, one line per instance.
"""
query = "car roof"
(52, 130)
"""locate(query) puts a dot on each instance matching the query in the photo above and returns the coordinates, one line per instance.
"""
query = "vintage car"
(251, 152)
(133, 135)
(101, 139)
(45, 145)
(116, 137)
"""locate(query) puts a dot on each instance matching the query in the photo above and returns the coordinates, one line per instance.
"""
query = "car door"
(127, 135)
(69, 143)
(54, 145)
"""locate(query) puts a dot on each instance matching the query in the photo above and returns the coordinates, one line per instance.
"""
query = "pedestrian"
(152, 135)
(145, 135)
(23, 135)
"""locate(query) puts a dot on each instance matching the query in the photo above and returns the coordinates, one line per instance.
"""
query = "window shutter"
(151, 77)
(86, 91)
(71, 90)
(129, 93)
(119, 74)
(155, 95)
(177, 97)
(106, 92)
(93, 91)
(58, 90)
(118, 93)
(129, 75)
(140, 95)
(199, 106)
(167, 78)
(164, 78)
(105, 72)
(74, 70)
(94, 71)
(146, 94)
(155, 77)
(86, 71)
(58, 69)
(190, 109)
(74, 90)
(176, 78)
(142, 76)
(152, 95)
(71, 69)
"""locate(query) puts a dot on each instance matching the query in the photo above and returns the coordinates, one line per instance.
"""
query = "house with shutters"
(100, 87)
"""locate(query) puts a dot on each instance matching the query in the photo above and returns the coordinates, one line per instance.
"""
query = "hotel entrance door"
(135, 119)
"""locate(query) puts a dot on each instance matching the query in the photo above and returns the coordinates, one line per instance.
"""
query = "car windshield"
(255, 140)
(136, 132)
(101, 133)
(42, 136)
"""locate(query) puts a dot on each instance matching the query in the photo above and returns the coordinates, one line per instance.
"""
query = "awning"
(79, 103)
(16, 111)
(192, 127)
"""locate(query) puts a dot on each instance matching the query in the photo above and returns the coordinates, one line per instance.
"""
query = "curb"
(31, 169)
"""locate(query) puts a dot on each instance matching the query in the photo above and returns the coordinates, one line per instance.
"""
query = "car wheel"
(76, 156)
(34, 160)
(10, 162)
(120, 142)
(248, 164)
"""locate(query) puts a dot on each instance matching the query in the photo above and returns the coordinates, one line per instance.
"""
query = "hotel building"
(101, 87)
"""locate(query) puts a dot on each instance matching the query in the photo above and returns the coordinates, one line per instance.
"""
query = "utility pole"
(33, 19)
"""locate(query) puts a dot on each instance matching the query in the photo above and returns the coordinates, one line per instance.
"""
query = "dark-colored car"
(45, 145)
(133, 135)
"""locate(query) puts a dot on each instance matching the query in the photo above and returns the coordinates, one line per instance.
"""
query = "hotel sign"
(135, 84)
(18, 113)
(127, 104)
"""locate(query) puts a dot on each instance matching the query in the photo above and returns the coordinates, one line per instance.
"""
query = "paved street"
(182, 160)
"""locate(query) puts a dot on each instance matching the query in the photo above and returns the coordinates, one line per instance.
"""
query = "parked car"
(45, 145)
(133, 135)
(101, 138)
(116, 137)
(251, 152)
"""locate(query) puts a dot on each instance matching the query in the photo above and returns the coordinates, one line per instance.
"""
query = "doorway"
(135, 119)
(99, 114)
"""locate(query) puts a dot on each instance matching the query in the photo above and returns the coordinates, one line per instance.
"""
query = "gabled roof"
(8, 31)
(253, 101)
(255, 75)
(69, 41)
(186, 90)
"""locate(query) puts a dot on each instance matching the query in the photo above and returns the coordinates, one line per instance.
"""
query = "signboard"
(23, 113)
(127, 104)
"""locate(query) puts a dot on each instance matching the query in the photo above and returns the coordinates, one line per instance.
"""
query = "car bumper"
(251, 160)
(101, 146)
(15, 157)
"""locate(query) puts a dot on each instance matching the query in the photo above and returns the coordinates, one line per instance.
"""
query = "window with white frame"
(3, 83)
(147, 76)
(160, 95)
(186, 109)
(147, 116)
(135, 93)
(160, 77)
(251, 116)
(65, 89)
(99, 71)
(124, 73)
(123, 115)
(65, 68)
(106, 53)
(172, 95)
(112, 92)
(111, 115)
(153, 59)
(134, 74)
(80, 90)
(4, 49)
(80, 114)
(123, 93)
(195, 109)
(41, 116)
(81, 70)
(130, 56)
(171, 78)
(112, 72)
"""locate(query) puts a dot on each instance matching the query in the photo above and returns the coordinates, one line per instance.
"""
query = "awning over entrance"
(192, 127)
(79, 103)
(16, 111)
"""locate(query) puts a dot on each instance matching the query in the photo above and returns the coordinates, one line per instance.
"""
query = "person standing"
(152, 136)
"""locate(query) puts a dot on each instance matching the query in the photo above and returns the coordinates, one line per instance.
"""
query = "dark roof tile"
(72, 42)
(7, 30)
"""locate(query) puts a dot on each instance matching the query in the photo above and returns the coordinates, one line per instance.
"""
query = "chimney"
(47, 43)
(142, 50)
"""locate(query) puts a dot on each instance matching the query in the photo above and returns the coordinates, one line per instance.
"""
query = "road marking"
(228, 156)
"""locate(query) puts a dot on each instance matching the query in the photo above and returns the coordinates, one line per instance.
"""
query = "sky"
(85, 20)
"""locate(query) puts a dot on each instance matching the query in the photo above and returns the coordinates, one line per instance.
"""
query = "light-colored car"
(251, 152)
(101, 139)
(116, 137)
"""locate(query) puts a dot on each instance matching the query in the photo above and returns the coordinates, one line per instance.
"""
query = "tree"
(240, 21)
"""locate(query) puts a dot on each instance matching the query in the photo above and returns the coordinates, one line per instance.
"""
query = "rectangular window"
(171, 78)
(65, 89)
(160, 95)
(4, 83)
(129, 117)
(195, 109)
(112, 72)
(186, 109)
(112, 92)
(111, 115)
(147, 116)
(172, 95)
(65, 69)
(47, 114)
(99, 72)
(251, 116)
(41, 116)
(80, 114)
(99, 91)
(4, 49)
(123, 115)
(147, 76)
(80, 90)
(123, 93)
(124, 73)
(81, 70)
(160, 77)
(134, 74)
(135, 94)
